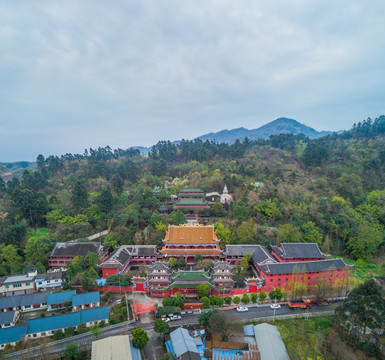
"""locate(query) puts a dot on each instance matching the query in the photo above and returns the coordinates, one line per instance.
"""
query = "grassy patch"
(39, 232)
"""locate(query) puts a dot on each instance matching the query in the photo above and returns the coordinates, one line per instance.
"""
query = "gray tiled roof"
(269, 342)
(72, 249)
(7, 317)
(240, 250)
(183, 342)
(49, 276)
(23, 300)
(299, 250)
(13, 279)
(308, 266)
(261, 254)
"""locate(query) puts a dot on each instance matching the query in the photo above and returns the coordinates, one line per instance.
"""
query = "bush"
(245, 299)
(58, 334)
(81, 328)
(43, 315)
(228, 300)
(219, 301)
(236, 300)
(254, 298)
(165, 310)
(262, 296)
(68, 332)
(213, 300)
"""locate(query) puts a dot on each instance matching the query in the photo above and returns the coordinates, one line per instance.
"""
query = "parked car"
(166, 319)
(175, 317)
(242, 308)
(275, 306)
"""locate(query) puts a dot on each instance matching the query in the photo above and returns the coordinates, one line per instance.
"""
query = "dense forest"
(286, 189)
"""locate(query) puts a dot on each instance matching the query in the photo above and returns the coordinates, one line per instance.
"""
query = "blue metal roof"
(53, 323)
(60, 297)
(183, 342)
(95, 314)
(248, 330)
(12, 334)
(86, 298)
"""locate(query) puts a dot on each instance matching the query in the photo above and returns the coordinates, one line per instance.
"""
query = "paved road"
(154, 346)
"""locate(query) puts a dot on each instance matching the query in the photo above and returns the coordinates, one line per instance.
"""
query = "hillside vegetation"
(329, 190)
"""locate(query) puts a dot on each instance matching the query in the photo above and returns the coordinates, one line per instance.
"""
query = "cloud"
(128, 73)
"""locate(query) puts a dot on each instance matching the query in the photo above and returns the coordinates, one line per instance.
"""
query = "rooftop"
(240, 250)
(13, 279)
(261, 255)
(72, 249)
(298, 250)
(60, 297)
(7, 317)
(269, 342)
(23, 300)
(183, 342)
(191, 235)
(12, 334)
(307, 266)
(86, 298)
(114, 347)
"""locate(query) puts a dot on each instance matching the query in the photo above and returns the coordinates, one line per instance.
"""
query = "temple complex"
(222, 277)
(189, 241)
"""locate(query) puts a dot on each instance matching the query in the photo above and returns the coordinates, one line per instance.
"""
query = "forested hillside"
(329, 190)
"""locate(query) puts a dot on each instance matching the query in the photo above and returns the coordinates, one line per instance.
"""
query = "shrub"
(262, 296)
(245, 299)
(68, 332)
(228, 300)
(58, 334)
(254, 298)
(219, 301)
(213, 300)
(81, 328)
(236, 300)
(43, 315)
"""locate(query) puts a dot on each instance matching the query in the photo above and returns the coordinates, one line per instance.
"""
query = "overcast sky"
(89, 73)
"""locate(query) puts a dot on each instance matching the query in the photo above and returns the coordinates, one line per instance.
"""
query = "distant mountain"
(15, 169)
(279, 126)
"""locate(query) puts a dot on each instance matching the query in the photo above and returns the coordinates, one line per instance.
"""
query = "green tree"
(247, 232)
(139, 338)
(288, 233)
(272, 295)
(178, 218)
(167, 301)
(228, 300)
(69, 331)
(224, 234)
(205, 302)
(364, 307)
(278, 294)
(311, 233)
(203, 290)
(240, 212)
(366, 242)
(262, 296)
(172, 262)
(96, 330)
(10, 258)
(105, 200)
(58, 334)
(219, 301)
(178, 301)
(79, 197)
(117, 184)
(161, 327)
(72, 352)
(236, 300)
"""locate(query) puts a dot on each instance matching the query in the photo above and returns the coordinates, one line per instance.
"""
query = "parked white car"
(166, 319)
(242, 308)
(275, 306)
(175, 317)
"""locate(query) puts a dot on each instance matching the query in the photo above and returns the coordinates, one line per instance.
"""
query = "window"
(16, 285)
(27, 284)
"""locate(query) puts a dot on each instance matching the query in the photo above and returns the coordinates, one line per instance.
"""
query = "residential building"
(64, 252)
(23, 302)
(85, 301)
(47, 326)
(8, 319)
(189, 241)
(18, 284)
(183, 345)
(60, 300)
(49, 281)
(12, 335)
